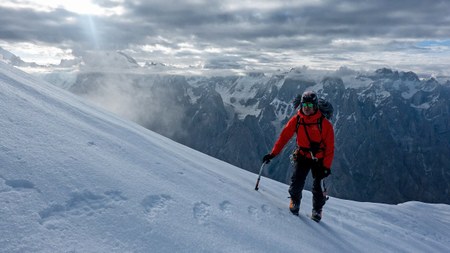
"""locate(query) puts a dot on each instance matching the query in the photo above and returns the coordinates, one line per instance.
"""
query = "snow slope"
(74, 178)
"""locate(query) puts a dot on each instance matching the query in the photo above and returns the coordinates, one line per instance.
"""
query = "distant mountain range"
(392, 128)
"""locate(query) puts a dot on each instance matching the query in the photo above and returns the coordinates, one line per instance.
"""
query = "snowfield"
(75, 178)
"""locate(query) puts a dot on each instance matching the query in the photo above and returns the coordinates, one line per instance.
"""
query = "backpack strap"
(319, 123)
(301, 121)
(306, 131)
(298, 123)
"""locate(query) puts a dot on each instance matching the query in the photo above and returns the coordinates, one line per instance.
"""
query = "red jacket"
(324, 137)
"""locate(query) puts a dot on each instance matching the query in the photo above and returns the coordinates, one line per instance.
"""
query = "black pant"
(301, 169)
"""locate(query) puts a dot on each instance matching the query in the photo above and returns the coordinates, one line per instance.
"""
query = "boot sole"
(315, 219)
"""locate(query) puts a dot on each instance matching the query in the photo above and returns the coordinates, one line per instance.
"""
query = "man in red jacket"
(315, 151)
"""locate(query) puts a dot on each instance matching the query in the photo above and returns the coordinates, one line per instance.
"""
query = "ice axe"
(259, 176)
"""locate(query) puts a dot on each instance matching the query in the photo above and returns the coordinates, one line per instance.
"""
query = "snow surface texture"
(75, 178)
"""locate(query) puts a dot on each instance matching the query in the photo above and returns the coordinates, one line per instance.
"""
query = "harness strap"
(310, 149)
(304, 149)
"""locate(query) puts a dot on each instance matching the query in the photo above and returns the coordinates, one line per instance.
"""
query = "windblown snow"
(75, 178)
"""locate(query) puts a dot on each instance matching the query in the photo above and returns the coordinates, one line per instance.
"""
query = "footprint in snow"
(155, 205)
(202, 212)
(266, 209)
(226, 207)
(19, 184)
(82, 203)
(253, 211)
(256, 212)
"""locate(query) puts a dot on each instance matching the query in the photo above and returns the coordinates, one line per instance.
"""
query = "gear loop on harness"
(313, 157)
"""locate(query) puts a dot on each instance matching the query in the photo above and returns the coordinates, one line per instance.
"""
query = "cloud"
(252, 32)
(223, 63)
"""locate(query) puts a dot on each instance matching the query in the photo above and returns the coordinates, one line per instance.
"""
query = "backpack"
(326, 108)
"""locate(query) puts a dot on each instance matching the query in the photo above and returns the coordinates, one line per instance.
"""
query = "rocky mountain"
(392, 128)
(393, 139)
(14, 60)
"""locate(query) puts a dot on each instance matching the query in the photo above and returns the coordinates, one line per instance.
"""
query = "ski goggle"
(310, 105)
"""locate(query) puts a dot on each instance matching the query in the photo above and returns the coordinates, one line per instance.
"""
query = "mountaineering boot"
(316, 215)
(294, 206)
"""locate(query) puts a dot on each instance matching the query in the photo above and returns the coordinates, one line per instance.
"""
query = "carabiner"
(313, 157)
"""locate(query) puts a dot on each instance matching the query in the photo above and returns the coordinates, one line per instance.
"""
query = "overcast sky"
(250, 35)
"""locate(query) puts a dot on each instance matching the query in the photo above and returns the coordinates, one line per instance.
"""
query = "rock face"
(392, 129)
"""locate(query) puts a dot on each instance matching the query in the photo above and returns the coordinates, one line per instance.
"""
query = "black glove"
(267, 158)
(322, 172)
